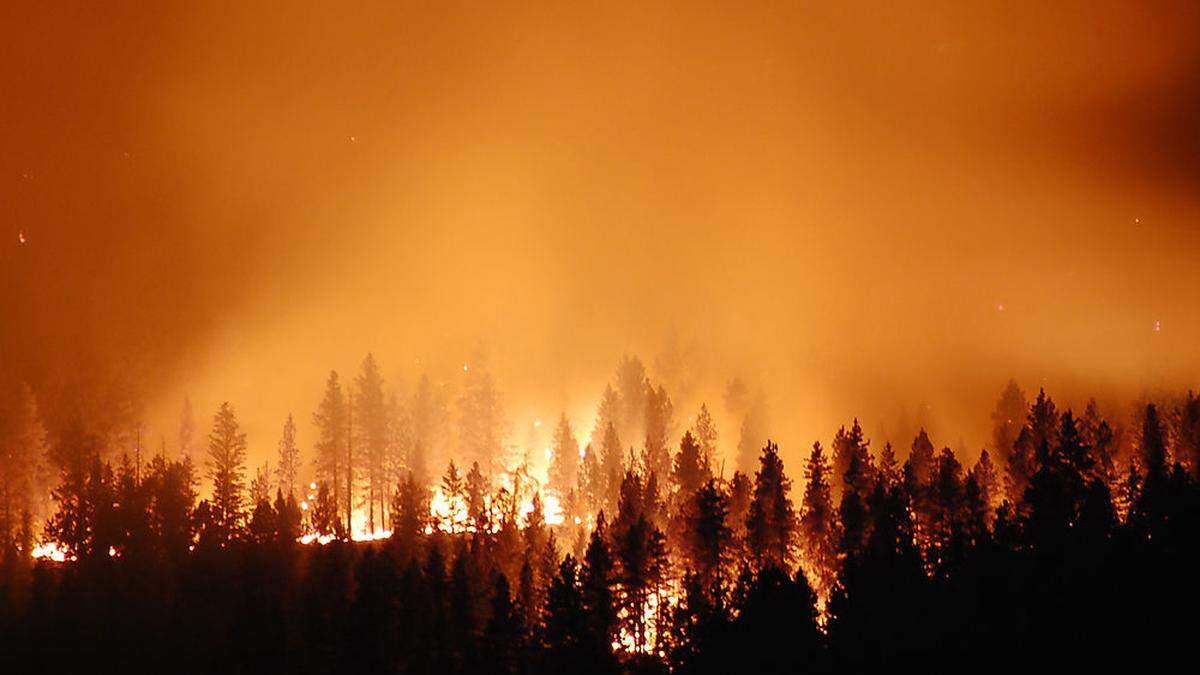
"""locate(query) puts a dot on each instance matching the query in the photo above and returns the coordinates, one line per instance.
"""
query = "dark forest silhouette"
(1070, 539)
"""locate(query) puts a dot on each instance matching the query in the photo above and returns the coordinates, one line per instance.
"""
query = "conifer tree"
(818, 524)
(475, 494)
(564, 459)
(454, 491)
(708, 539)
(633, 389)
(1007, 419)
(656, 455)
(23, 448)
(172, 496)
(690, 471)
(480, 419)
(372, 438)
(428, 415)
(596, 589)
(332, 447)
(771, 522)
(226, 467)
(705, 432)
(852, 466)
(410, 515)
(287, 469)
(612, 467)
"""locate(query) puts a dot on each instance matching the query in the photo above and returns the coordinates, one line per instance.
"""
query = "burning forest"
(558, 337)
(605, 558)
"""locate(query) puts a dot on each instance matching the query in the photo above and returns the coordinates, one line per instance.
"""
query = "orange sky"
(833, 200)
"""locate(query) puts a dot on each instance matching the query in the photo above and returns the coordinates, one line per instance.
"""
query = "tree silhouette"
(332, 443)
(564, 459)
(705, 432)
(771, 522)
(690, 470)
(656, 455)
(1007, 419)
(287, 467)
(226, 466)
(818, 524)
(372, 438)
(708, 539)
(23, 447)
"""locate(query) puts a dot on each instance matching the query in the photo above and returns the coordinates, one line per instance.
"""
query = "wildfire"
(52, 551)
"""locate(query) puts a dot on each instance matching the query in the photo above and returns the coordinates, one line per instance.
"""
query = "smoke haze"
(884, 217)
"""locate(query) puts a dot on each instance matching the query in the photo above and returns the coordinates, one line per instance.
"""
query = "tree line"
(1070, 538)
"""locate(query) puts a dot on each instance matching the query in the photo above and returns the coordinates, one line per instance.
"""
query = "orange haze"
(860, 209)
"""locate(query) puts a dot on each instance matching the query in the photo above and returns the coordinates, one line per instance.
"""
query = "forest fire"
(543, 338)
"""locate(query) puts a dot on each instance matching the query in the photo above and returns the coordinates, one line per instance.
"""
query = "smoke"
(862, 211)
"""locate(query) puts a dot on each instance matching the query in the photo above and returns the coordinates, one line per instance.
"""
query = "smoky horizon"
(880, 214)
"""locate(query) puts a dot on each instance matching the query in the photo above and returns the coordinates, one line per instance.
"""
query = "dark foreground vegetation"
(1076, 548)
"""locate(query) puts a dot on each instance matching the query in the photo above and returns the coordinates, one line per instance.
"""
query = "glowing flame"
(52, 551)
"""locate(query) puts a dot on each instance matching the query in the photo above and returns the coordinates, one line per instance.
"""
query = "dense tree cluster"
(1071, 536)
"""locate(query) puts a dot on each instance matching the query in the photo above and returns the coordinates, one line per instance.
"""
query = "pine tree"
(503, 636)
(633, 389)
(918, 474)
(608, 412)
(1021, 466)
(611, 466)
(479, 416)
(740, 494)
(591, 480)
(597, 591)
(1098, 435)
(708, 539)
(226, 465)
(771, 523)
(324, 519)
(656, 455)
(945, 497)
(1153, 445)
(852, 466)
(454, 491)
(705, 432)
(22, 450)
(260, 485)
(288, 467)
(372, 438)
(1042, 422)
(1007, 419)
(332, 447)
(172, 496)
(288, 517)
(476, 492)
(690, 469)
(640, 552)
(988, 481)
(564, 459)
(566, 622)
(889, 467)
(410, 515)
(429, 429)
(818, 524)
